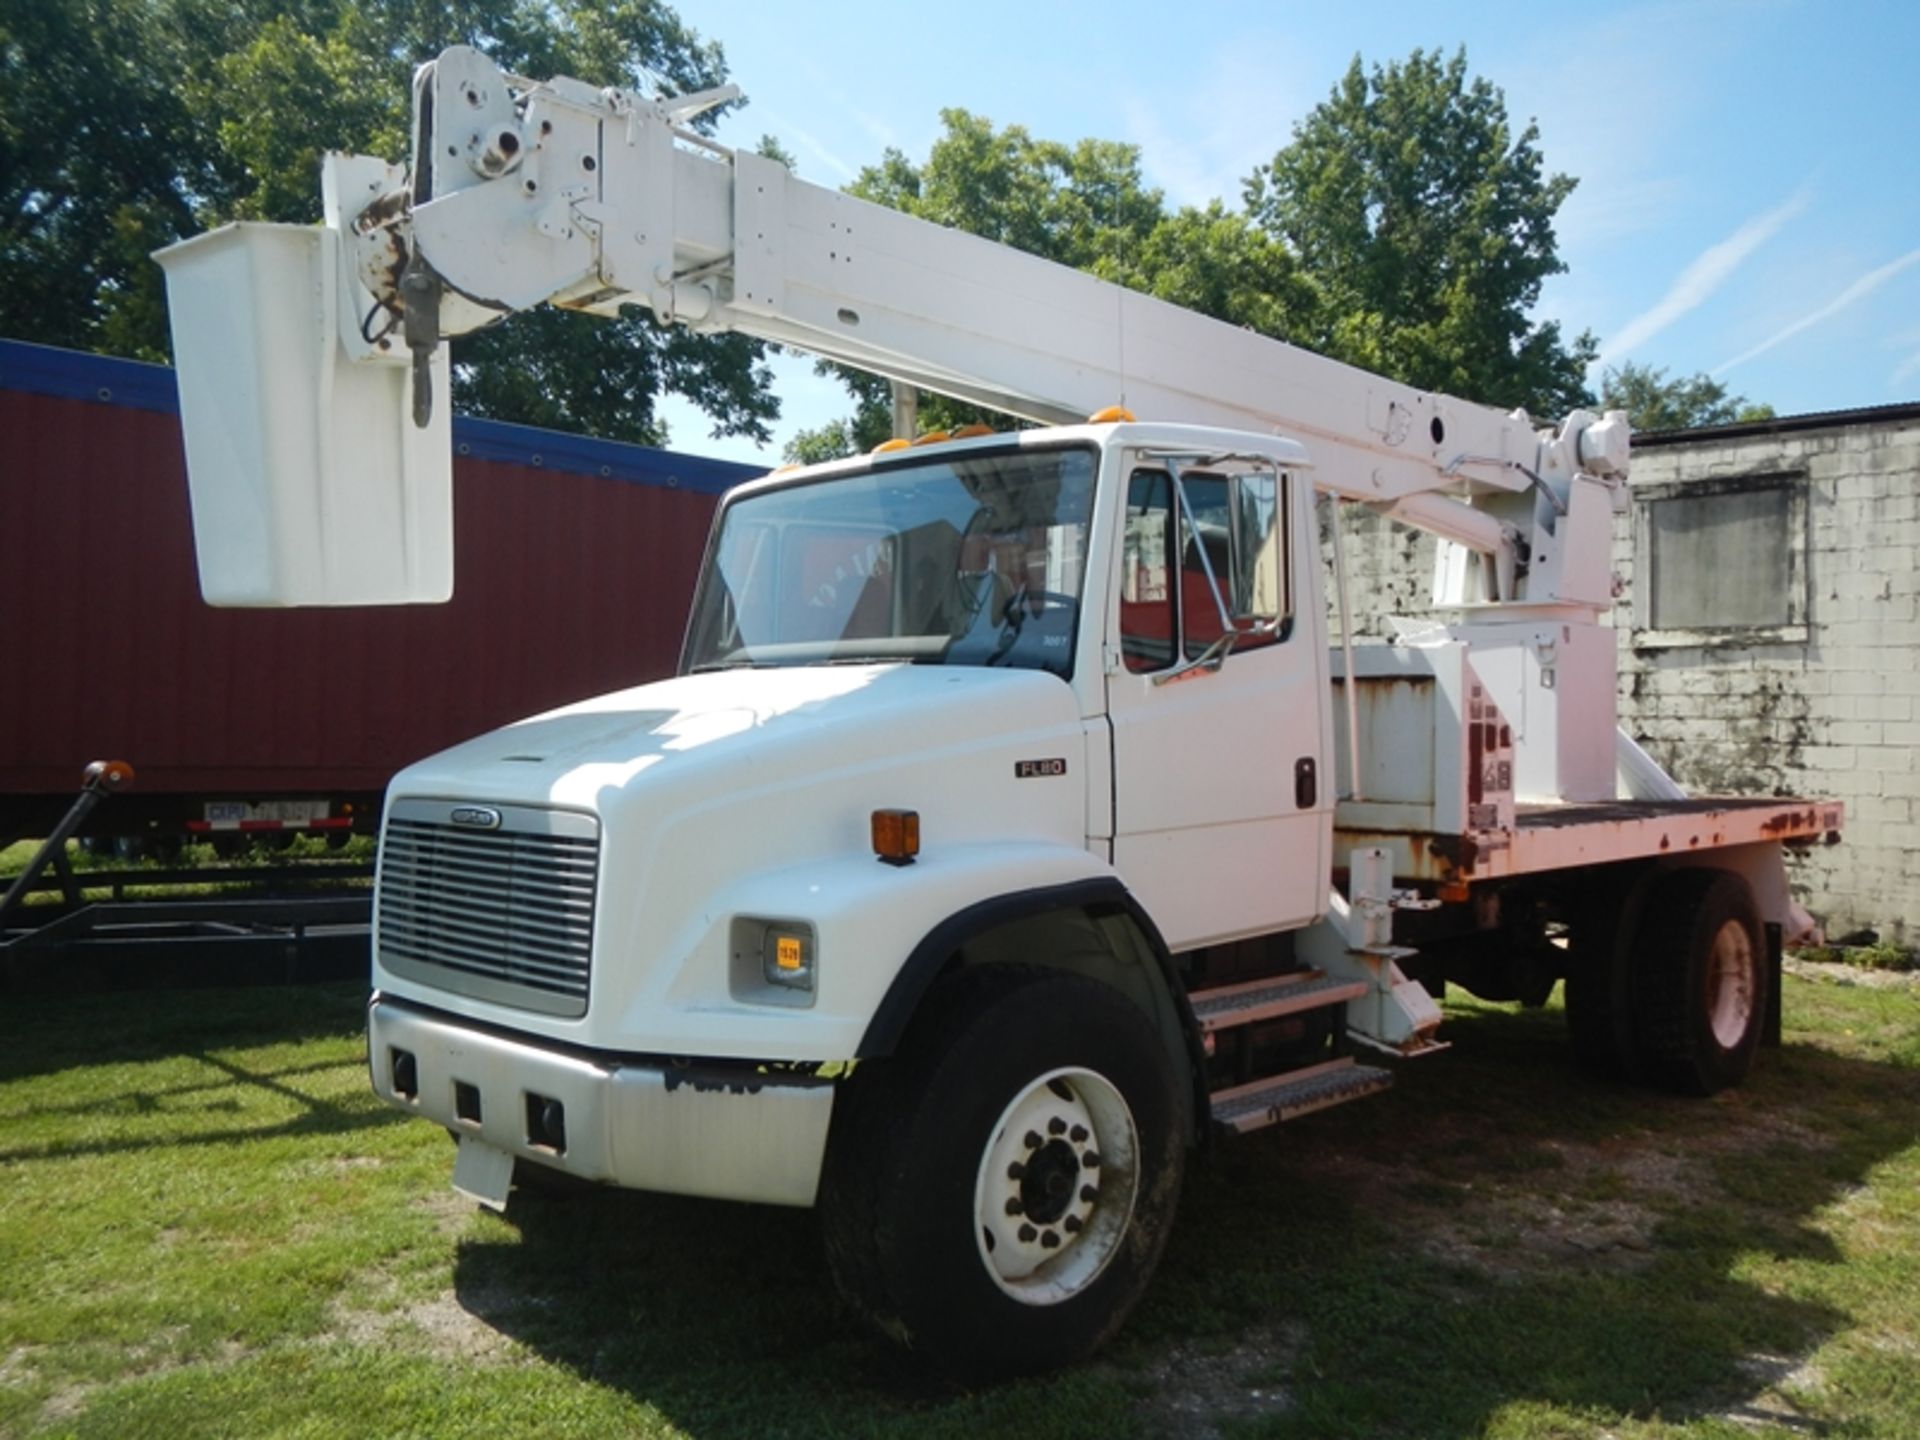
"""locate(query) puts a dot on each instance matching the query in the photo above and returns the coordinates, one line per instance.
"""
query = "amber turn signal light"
(896, 835)
(109, 775)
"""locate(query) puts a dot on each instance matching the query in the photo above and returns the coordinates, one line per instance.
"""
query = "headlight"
(774, 962)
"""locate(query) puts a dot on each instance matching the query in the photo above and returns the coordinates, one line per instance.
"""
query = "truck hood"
(750, 793)
(743, 721)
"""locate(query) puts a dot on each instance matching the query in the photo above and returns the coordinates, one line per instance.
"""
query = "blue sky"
(1749, 197)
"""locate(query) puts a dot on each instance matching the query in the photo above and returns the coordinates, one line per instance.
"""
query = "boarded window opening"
(1723, 561)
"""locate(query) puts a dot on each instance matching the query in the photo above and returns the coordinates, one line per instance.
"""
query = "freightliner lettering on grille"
(502, 914)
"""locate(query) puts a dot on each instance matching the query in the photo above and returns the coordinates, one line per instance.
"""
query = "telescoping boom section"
(314, 374)
(523, 193)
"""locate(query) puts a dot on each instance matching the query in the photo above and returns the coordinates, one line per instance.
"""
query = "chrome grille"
(502, 914)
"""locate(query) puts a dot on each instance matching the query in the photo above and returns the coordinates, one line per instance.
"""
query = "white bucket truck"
(1011, 823)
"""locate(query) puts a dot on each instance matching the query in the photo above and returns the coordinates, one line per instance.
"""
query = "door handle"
(1306, 783)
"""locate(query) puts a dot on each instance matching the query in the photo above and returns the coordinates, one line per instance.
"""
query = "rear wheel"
(1698, 982)
(997, 1195)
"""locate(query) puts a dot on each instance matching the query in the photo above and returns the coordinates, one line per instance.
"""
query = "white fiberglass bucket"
(310, 483)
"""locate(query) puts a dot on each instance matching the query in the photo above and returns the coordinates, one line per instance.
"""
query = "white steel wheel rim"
(1730, 984)
(1047, 1226)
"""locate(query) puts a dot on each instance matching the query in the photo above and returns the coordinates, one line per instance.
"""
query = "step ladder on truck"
(1012, 823)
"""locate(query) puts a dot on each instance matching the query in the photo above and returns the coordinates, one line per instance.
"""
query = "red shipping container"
(575, 562)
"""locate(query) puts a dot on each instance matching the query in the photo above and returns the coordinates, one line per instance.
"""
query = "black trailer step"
(1287, 1097)
(1243, 1004)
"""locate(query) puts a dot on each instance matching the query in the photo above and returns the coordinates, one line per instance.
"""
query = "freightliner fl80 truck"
(1011, 825)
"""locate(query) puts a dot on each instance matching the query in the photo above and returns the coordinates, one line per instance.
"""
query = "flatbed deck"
(1556, 837)
(1548, 837)
(1602, 812)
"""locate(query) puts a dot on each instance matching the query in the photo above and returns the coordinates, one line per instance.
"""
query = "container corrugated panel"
(575, 565)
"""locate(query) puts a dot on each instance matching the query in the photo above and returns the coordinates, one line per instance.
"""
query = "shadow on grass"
(1495, 1233)
(1499, 1234)
(45, 1034)
(722, 1318)
(154, 1100)
(316, 1117)
(206, 1028)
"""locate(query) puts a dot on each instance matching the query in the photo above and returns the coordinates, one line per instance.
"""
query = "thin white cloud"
(810, 145)
(1858, 290)
(1615, 139)
(1198, 149)
(1606, 207)
(1177, 165)
(1908, 368)
(1708, 272)
(821, 87)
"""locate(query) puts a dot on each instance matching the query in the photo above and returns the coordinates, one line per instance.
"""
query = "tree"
(838, 439)
(1428, 224)
(132, 123)
(1080, 205)
(1217, 262)
(99, 162)
(1083, 205)
(1653, 402)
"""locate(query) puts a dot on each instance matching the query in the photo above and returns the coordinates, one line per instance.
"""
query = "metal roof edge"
(537, 449)
(140, 385)
(1781, 425)
(77, 375)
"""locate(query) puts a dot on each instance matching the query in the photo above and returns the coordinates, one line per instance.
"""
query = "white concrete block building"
(1769, 628)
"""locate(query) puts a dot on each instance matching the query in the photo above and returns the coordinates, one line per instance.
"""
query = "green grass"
(208, 1227)
(300, 845)
(98, 874)
(1885, 956)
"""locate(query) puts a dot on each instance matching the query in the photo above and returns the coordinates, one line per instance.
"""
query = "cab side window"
(1146, 598)
(1224, 554)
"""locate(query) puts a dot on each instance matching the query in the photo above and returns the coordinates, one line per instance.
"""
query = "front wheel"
(997, 1195)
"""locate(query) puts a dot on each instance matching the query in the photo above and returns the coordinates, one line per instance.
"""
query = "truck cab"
(958, 724)
(1078, 662)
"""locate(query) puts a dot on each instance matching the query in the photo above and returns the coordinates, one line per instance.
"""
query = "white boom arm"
(312, 375)
(524, 193)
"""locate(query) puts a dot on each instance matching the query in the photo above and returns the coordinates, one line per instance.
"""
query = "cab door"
(1222, 790)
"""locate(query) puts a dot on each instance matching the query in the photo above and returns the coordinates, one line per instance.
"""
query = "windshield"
(959, 560)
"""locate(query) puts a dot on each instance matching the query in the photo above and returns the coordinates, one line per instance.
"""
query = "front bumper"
(635, 1124)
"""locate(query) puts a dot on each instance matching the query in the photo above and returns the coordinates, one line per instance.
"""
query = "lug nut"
(1078, 1134)
(1091, 1159)
(1033, 1140)
(1049, 1240)
(1071, 1224)
(1014, 1207)
(1056, 1126)
(1088, 1194)
(1016, 1171)
(1027, 1232)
